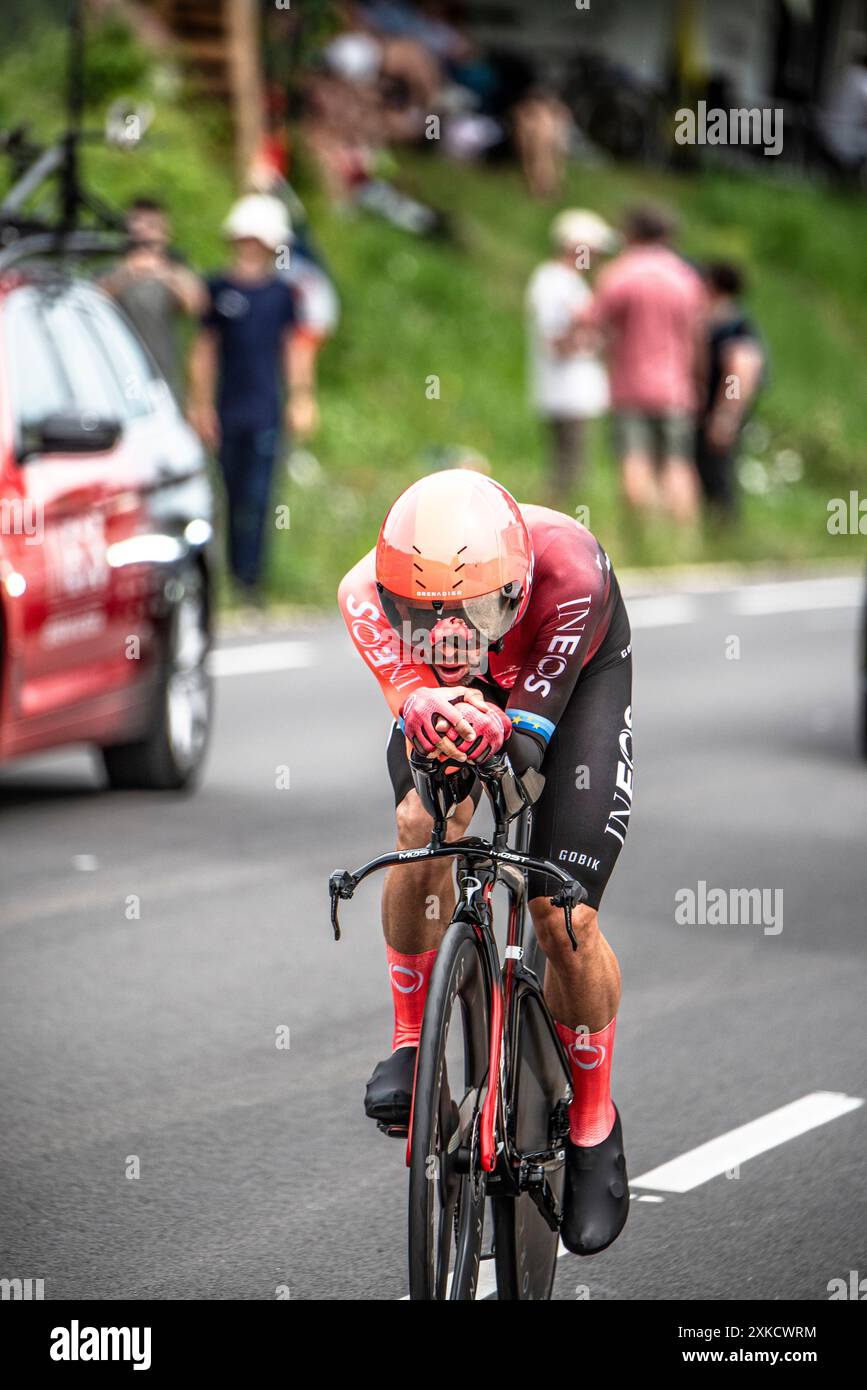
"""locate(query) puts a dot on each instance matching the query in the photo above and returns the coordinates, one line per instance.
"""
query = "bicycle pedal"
(393, 1131)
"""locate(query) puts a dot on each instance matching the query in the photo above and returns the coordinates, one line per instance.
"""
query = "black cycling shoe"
(388, 1097)
(596, 1194)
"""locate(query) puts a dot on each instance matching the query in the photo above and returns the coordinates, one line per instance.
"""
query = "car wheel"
(170, 757)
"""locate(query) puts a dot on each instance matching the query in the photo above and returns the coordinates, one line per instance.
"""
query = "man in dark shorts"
(736, 363)
(490, 625)
(649, 306)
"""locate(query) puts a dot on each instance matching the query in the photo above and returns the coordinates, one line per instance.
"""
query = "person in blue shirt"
(735, 371)
(250, 348)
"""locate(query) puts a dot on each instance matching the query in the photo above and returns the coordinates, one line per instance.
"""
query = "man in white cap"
(568, 381)
(250, 344)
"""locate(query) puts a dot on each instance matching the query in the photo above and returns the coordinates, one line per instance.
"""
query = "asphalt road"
(153, 1037)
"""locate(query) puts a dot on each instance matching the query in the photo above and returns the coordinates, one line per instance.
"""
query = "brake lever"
(341, 884)
(570, 895)
(567, 913)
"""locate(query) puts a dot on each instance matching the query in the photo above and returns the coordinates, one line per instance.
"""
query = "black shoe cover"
(388, 1097)
(596, 1194)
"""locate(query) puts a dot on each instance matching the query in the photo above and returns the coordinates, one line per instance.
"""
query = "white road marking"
(752, 600)
(799, 596)
(487, 1284)
(666, 611)
(725, 1153)
(658, 610)
(260, 657)
(721, 1155)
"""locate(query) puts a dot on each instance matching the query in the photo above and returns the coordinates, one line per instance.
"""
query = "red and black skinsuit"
(563, 674)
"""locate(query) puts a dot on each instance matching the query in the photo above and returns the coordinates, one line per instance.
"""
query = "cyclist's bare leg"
(417, 904)
(582, 988)
(418, 899)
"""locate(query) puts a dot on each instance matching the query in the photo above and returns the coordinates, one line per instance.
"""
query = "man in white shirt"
(843, 121)
(568, 381)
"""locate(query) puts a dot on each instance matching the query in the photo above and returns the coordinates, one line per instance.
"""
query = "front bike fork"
(491, 1106)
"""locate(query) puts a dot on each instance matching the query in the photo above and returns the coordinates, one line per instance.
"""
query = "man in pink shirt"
(649, 307)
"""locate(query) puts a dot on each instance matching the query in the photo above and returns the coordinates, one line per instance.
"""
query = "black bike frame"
(481, 865)
(500, 782)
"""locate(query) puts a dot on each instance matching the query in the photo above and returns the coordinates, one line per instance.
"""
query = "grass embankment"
(414, 310)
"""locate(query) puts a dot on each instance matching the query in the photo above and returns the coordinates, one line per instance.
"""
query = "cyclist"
(491, 625)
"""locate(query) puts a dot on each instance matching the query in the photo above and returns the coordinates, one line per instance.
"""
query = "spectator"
(247, 343)
(316, 297)
(153, 288)
(649, 304)
(542, 126)
(735, 362)
(843, 121)
(568, 382)
(344, 131)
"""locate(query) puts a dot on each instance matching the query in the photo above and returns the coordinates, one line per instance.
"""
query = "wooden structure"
(220, 42)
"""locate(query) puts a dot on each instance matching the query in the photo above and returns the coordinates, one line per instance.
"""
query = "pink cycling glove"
(420, 713)
(491, 725)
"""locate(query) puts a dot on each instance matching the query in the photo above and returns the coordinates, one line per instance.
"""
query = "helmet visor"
(490, 615)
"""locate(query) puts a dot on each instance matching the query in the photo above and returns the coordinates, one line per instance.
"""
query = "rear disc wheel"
(539, 1089)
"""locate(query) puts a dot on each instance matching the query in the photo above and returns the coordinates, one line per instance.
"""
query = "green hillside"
(416, 310)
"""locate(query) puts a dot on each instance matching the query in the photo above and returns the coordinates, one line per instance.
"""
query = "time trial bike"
(490, 1113)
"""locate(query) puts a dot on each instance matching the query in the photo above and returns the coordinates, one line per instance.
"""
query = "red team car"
(105, 531)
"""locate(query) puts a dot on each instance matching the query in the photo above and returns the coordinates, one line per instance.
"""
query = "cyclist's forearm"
(374, 639)
(525, 751)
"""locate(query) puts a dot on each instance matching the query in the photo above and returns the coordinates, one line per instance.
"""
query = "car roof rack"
(58, 245)
(23, 236)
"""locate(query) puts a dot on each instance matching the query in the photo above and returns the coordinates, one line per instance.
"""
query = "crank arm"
(533, 1180)
(548, 1205)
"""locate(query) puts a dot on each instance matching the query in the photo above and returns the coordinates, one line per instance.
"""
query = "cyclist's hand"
(432, 723)
(491, 727)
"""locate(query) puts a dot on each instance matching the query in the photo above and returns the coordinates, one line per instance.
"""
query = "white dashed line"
(260, 657)
(658, 610)
(798, 596)
(725, 1153)
(721, 1155)
(666, 611)
(752, 600)
(487, 1284)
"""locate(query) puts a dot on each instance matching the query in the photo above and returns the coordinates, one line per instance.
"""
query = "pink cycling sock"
(591, 1114)
(410, 976)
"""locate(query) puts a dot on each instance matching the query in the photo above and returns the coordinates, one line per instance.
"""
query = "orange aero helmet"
(455, 545)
